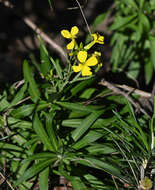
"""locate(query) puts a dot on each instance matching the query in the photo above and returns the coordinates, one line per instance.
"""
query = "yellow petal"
(91, 61)
(77, 68)
(86, 71)
(101, 40)
(71, 45)
(66, 34)
(82, 56)
(98, 38)
(94, 36)
(74, 30)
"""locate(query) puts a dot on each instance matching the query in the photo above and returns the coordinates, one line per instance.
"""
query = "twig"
(83, 16)
(73, 8)
(43, 35)
(115, 182)
(9, 184)
(18, 84)
(118, 91)
(136, 91)
(23, 100)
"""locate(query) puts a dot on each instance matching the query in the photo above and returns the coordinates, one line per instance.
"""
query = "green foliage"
(56, 123)
(133, 38)
(49, 130)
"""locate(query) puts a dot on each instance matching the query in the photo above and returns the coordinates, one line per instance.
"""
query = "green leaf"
(44, 57)
(39, 129)
(148, 71)
(86, 124)
(75, 123)
(13, 123)
(99, 164)
(28, 76)
(152, 3)
(10, 147)
(81, 85)
(28, 109)
(50, 130)
(34, 170)
(122, 21)
(145, 21)
(19, 96)
(141, 3)
(99, 19)
(152, 50)
(57, 67)
(43, 179)
(97, 183)
(77, 183)
(134, 69)
(4, 104)
(23, 111)
(38, 156)
(71, 123)
(34, 62)
(131, 4)
(50, 4)
(101, 149)
(79, 107)
(87, 93)
(90, 137)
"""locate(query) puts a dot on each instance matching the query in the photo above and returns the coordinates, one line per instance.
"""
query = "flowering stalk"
(83, 61)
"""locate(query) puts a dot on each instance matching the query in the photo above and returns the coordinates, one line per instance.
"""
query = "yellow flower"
(84, 65)
(70, 35)
(98, 38)
(97, 54)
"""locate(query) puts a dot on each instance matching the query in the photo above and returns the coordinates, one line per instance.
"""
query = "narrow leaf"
(79, 107)
(39, 129)
(57, 67)
(152, 50)
(4, 104)
(19, 96)
(86, 124)
(44, 57)
(90, 137)
(38, 156)
(43, 179)
(50, 130)
(28, 76)
(34, 170)
(122, 21)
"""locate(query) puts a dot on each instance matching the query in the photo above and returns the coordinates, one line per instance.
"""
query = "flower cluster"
(84, 60)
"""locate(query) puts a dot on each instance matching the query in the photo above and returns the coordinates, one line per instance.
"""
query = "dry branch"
(116, 90)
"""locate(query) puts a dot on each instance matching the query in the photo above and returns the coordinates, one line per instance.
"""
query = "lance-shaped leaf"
(34, 170)
(43, 179)
(90, 137)
(28, 76)
(39, 129)
(86, 124)
(44, 57)
(19, 96)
